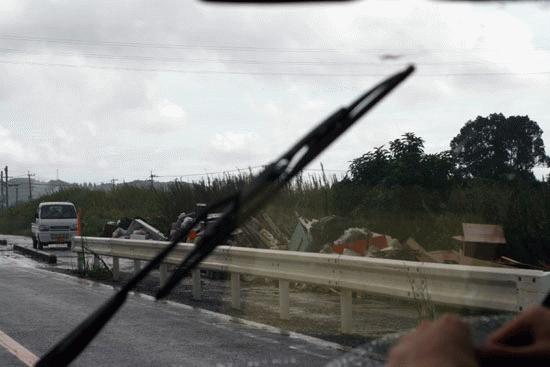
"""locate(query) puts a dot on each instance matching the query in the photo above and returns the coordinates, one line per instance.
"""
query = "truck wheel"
(40, 245)
(34, 242)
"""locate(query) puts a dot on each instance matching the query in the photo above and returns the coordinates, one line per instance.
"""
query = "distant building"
(18, 189)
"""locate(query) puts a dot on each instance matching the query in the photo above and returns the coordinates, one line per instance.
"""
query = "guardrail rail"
(457, 285)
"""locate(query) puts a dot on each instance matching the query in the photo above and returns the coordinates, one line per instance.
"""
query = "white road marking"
(22, 353)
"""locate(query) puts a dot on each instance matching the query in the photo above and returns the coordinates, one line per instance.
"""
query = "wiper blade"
(279, 173)
(236, 209)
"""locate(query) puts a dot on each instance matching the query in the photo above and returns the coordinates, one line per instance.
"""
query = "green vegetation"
(401, 191)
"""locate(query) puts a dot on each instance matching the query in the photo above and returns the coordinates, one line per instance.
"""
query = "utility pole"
(1, 189)
(113, 182)
(7, 191)
(152, 177)
(29, 175)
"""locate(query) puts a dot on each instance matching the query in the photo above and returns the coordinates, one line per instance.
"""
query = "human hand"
(445, 342)
(524, 341)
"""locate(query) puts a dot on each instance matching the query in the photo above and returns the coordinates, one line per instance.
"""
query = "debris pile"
(480, 244)
(261, 232)
(258, 232)
(314, 235)
(136, 229)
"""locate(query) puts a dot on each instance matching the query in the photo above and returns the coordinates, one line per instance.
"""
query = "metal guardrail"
(457, 285)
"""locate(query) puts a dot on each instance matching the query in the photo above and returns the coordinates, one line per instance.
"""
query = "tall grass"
(430, 216)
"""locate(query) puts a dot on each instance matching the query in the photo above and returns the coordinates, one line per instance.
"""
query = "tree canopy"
(404, 164)
(499, 147)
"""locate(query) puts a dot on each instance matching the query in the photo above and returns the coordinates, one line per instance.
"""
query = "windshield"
(436, 200)
(57, 212)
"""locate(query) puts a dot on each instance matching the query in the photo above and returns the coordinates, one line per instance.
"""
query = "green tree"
(404, 164)
(371, 168)
(499, 147)
(407, 154)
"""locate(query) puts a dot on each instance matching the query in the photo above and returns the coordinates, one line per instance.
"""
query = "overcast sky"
(103, 89)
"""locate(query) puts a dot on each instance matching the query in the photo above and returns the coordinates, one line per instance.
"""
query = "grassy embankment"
(431, 217)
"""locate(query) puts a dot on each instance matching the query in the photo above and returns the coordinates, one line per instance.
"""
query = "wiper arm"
(279, 173)
(236, 209)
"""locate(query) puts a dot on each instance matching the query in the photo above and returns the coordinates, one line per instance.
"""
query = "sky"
(97, 90)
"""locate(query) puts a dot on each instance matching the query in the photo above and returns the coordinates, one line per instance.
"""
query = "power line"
(275, 73)
(236, 61)
(241, 170)
(245, 48)
(212, 173)
(237, 48)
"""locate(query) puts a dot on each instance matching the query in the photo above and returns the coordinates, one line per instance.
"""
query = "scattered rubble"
(137, 229)
(301, 237)
(258, 232)
(480, 243)
(313, 235)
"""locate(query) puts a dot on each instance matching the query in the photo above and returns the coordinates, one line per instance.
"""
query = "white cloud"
(10, 147)
(64, 137)
(92, 128)
(124, 122)
(233, 142)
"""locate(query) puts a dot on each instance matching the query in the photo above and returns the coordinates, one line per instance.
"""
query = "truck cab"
(54, 222)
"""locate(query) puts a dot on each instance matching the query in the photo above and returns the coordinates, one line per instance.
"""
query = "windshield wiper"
(236, 209)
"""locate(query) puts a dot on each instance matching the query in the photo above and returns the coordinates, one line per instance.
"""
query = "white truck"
(54, 222)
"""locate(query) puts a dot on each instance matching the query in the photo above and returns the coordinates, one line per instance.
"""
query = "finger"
(521, 324)
(405, 337)
(423, 325)
(506, 351)
(454, 324)
(532, 356)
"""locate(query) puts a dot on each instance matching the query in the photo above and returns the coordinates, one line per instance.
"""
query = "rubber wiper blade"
(236, 209)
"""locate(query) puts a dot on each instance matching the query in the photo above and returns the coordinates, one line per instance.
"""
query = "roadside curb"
(36, 254)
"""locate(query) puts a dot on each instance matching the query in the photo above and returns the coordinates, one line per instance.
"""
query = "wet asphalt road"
(37, 307)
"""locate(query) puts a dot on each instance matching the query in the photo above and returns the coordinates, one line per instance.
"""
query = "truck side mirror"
(35, 215)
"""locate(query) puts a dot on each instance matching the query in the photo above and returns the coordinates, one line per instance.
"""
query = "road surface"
(314, 311)
(37, 307)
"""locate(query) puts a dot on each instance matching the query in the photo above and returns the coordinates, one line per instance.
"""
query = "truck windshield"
(57, 212)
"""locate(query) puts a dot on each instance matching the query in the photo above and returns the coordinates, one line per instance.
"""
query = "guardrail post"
(283, 299)
(196, 276)
(163, 270)
(116, 272)
(236, 291)
(137, 265)
(345, 310)
(81, 261)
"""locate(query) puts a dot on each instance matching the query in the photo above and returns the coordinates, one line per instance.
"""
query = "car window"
(57, 212)
(437, 200)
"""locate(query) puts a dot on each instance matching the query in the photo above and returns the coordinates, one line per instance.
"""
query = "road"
(314, 311)
(39, 306)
